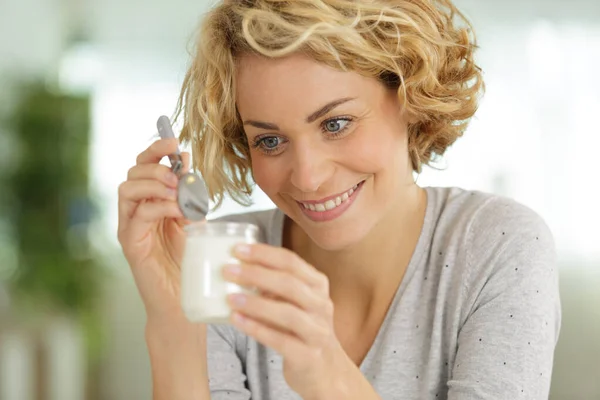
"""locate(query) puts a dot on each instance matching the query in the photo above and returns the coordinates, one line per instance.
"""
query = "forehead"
(271, 87)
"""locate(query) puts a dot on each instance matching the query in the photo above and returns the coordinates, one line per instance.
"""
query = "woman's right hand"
(151, 230)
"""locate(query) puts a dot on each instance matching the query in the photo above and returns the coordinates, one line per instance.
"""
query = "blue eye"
(336, 125)
(272, 145)
(270, 142)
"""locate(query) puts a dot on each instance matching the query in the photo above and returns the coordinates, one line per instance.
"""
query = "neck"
(378, 262)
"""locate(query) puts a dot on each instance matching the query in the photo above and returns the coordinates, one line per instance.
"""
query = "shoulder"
(500, 245)
(503, 228)
(501, 254)
(510, 245)
(485, 220)
(488, 235)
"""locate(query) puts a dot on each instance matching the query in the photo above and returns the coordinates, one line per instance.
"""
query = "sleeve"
(226, 377)
(512, 312)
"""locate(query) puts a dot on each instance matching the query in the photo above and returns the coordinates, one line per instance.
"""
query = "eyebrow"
(311, 118)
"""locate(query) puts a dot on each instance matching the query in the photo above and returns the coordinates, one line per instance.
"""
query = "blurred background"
(82, 83)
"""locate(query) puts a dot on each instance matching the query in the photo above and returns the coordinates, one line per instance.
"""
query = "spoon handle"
(166, 132)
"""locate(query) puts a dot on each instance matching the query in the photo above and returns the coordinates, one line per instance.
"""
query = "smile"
(331, 207)
(331, 203)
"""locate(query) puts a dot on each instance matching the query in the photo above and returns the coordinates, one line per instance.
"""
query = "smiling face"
(329, 148)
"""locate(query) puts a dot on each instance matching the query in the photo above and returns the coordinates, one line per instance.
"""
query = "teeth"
(330, 204)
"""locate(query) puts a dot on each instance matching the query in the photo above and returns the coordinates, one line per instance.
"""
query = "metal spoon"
(192, 195)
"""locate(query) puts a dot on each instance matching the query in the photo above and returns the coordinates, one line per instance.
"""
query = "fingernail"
(172, 193)
(238, 299)
(242, 249)
(171, 178)
(233, 269)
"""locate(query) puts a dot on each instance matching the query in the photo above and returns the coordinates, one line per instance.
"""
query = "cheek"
(377, 149)
(266, 175)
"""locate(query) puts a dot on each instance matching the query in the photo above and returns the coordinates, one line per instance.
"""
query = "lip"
(323, 200)
(329, 215)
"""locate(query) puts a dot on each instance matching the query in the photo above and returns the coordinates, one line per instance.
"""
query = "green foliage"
(49, 208)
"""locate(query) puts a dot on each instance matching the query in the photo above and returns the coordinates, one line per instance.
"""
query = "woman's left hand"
(292, 314)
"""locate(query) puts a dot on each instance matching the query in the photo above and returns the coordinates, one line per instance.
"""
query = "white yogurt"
(203, 289)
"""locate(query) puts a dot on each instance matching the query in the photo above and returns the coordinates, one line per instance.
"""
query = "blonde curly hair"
(422, 48)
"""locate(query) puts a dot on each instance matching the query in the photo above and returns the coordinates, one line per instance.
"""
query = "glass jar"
(208, 248)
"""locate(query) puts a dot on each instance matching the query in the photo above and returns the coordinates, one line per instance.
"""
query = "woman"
(373, 287)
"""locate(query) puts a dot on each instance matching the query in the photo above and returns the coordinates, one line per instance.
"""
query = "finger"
(279, 315)
(158, 172)
(276, 282)
(145, 189)
(157, 150)
(152, 211)
(133, 193)
(145, 215)
(283, 259)
(286, 344)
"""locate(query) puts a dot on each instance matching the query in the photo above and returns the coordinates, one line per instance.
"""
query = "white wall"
(31, 35)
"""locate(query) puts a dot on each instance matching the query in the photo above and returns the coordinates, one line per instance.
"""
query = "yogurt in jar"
(208, 249)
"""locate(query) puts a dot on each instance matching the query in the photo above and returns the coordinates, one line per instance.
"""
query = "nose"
(311, 168)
